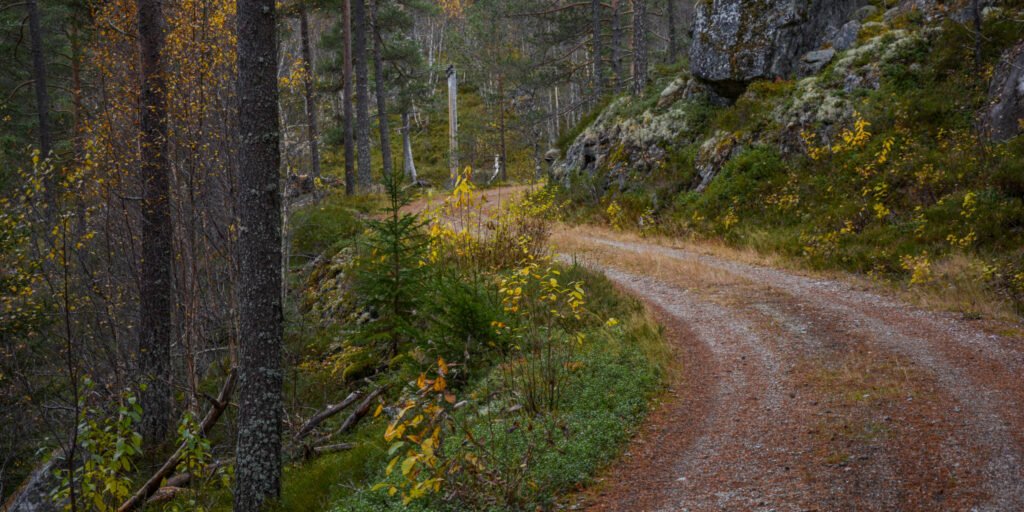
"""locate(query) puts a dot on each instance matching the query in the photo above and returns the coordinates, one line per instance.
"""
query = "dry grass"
(957, 285)
(689, 274)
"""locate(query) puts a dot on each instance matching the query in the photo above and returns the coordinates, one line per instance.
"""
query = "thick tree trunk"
(639, 46)
(617, 44)
(382, 107)
(407, 158)
(364, 177)
(39, 77)
(312, 126)
(595, 19)
(157, 235)
(258, 465)
(350, 152)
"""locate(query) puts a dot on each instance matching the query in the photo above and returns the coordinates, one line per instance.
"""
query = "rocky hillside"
(876, 138)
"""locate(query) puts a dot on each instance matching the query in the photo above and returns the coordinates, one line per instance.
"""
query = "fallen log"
(153, 484)
(315, 451)
(165, 494)
(361, 410)
(325, 414)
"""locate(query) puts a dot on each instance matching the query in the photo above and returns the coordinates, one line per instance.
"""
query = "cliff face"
(738, 41)
(835, 54)
(1004, 117)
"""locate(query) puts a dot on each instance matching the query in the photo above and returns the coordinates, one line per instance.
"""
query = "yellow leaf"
(407, 465)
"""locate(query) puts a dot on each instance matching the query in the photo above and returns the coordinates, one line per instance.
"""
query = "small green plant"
(109, 444)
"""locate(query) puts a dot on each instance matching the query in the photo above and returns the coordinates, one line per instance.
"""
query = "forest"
(503, 255)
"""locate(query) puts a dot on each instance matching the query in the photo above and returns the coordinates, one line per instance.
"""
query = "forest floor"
(800, 392)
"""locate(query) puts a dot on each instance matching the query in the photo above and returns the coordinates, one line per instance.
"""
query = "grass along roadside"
(955, 285)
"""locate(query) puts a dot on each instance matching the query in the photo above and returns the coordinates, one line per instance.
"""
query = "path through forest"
(797, 393)
(801, 393)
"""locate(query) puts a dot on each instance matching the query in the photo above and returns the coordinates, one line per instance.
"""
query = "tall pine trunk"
(978, 31)
(617, 45)
(639, 46)
(39, 77)
(350, 152)
(503, 176)
(382, 107)
(155, 275)
(42, 99)
(407, 158)
(312, 126)
(595, 20)
(364, 178)
(258, 452)
(673, 31)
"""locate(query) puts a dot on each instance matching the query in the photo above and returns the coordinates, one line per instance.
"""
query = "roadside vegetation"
(506, 378)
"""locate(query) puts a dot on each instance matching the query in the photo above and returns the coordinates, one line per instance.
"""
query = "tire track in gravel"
(791, 422)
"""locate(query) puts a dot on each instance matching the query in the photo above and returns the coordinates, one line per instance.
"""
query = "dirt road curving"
(795, 393)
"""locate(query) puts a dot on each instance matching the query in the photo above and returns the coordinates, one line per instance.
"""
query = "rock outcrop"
(738, 41)
(1004, 117)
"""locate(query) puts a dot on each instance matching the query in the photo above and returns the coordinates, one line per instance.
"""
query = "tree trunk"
(364, 178)
(639, 46)
(157, 234)
(382, 108)
(39, 78)
(503, 173)
(453, 125)
(258, 465)
(312, 126)
(976, 14)
(617, 44)
(673, 32)
(595, 14)
(350, 152)
(407, 159)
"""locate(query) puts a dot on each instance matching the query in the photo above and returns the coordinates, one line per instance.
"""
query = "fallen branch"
(153, 484)
(361, 410)
(324, 450)
(325, 414)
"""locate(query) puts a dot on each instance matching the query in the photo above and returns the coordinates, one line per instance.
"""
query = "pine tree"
(639, 46)
(312, 123)
(379, 81)
(157, 233)
(364, 176)
(258, 452)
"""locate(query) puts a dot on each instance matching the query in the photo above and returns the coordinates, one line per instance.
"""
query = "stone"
(813, 62)
(34, 494)
(738, 41)
(847, 36)
(713, 154)
(865, 12)
(1004, 115)
(673, 93)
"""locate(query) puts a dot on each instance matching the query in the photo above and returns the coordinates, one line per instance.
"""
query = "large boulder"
(1004, 116)
(738, 41)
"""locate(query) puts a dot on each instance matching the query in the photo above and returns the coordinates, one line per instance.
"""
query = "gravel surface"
(795, 393)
